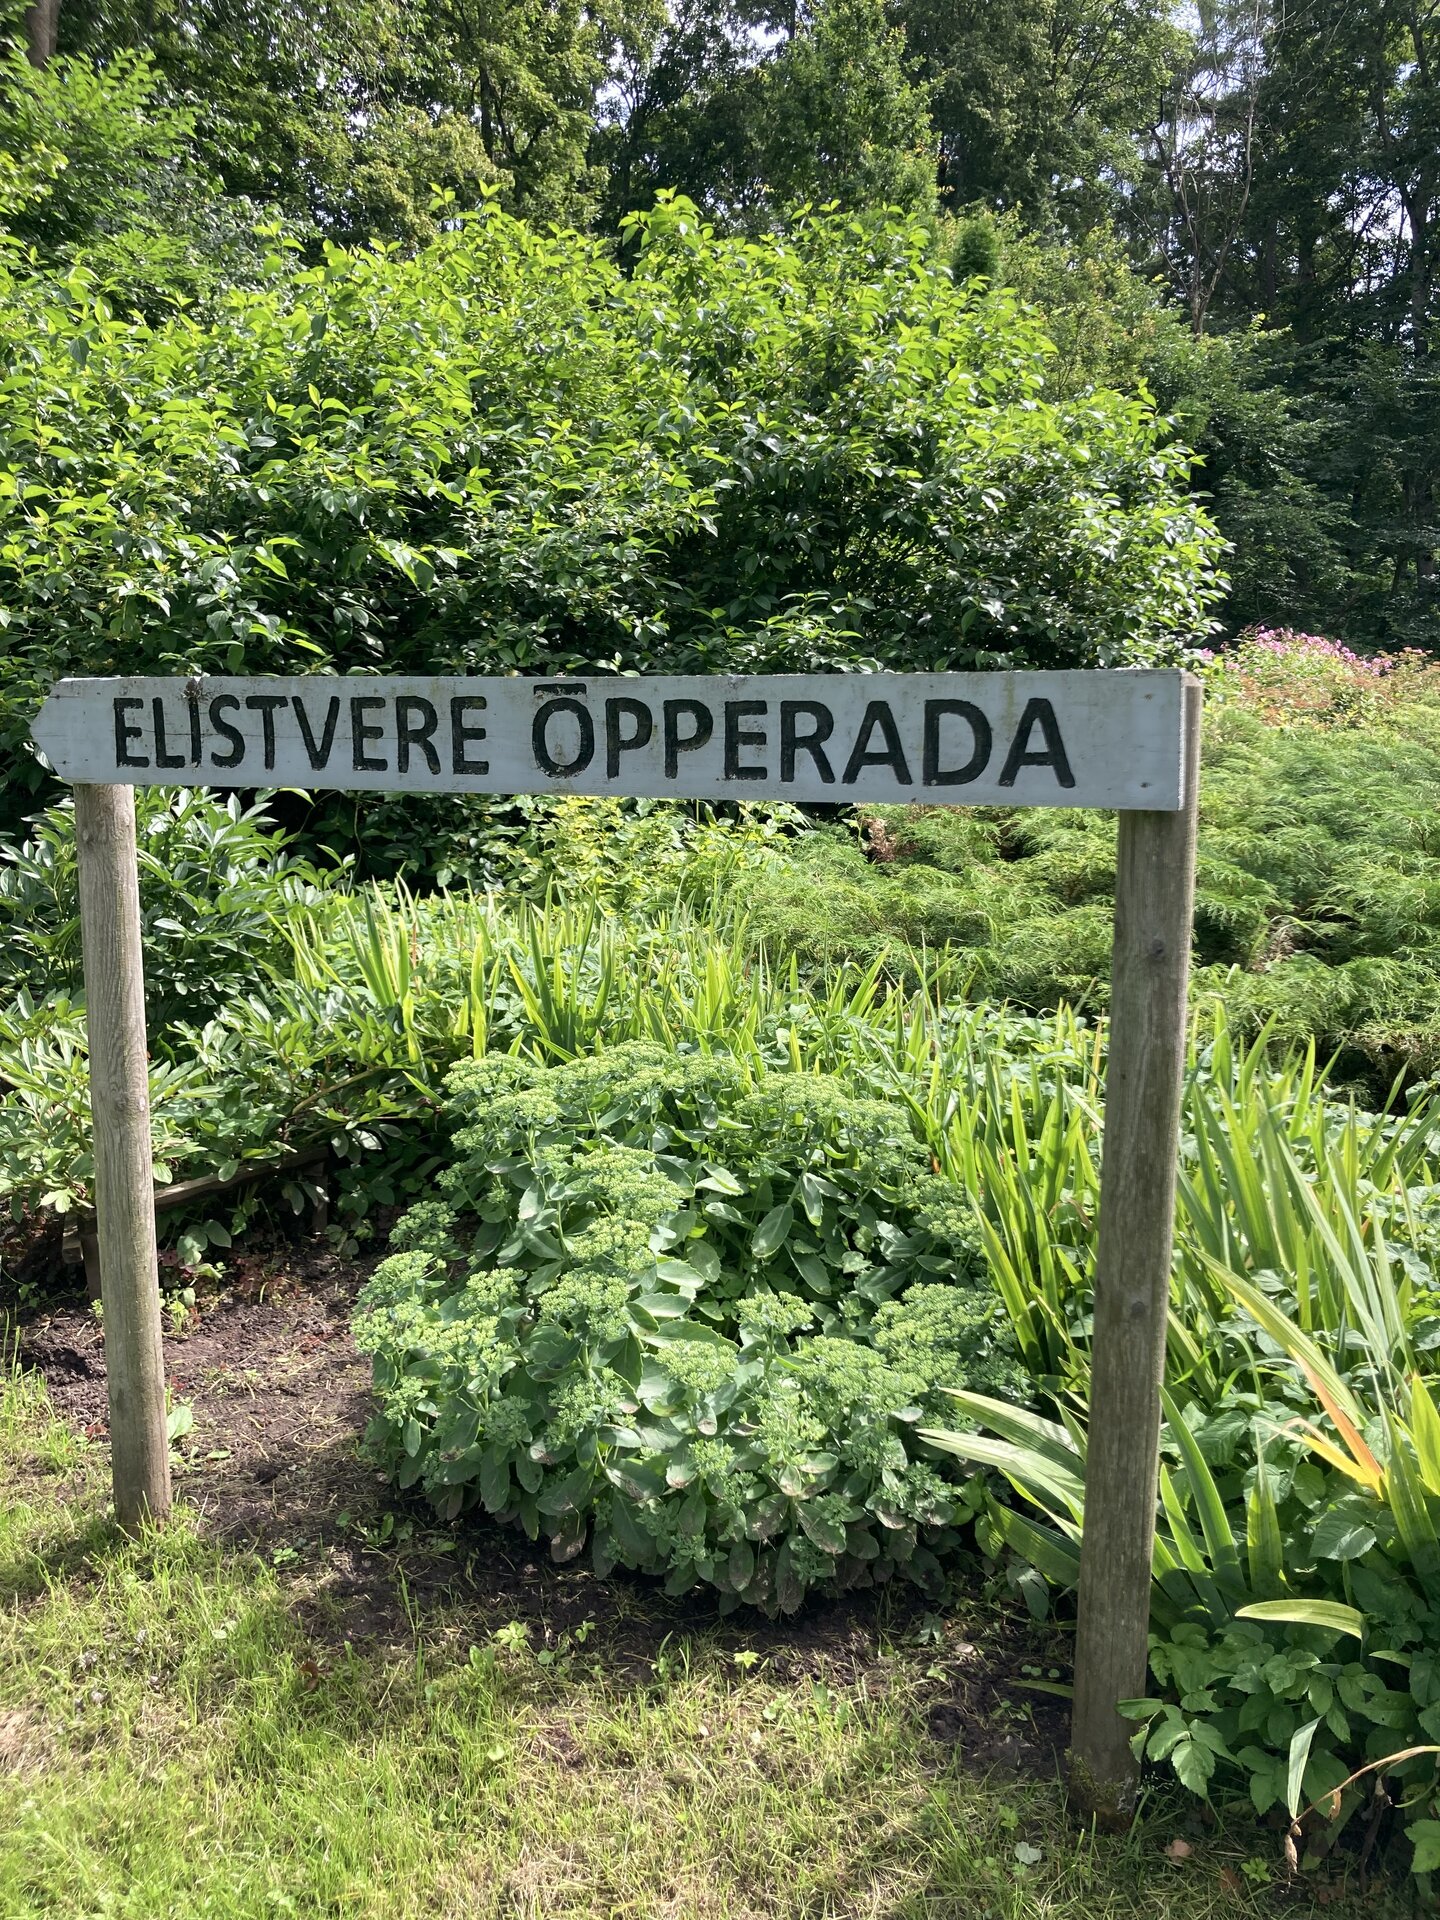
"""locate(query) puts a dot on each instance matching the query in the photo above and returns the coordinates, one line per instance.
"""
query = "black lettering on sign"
(265, 704)
(462, 733)
(124, 734)
(415, 721)
(981, 740)
(677, 743)
(163, 755)
(219, 724)
(318, 752)
(362, 732)
(539, 738)
(891, 754)
(192, 702)
(617, 741)
(1038, 713)
(738, 737)
(792, 741)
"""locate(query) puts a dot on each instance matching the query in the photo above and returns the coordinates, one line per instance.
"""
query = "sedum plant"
(688, 1316)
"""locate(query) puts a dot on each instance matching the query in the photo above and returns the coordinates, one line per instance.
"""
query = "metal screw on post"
(1154, 910)
(124, 1175)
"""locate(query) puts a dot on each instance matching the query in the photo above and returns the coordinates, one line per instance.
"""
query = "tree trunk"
(1268, 275)
(42, 25)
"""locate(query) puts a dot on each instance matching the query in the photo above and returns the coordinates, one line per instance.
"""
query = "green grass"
(184, 1730)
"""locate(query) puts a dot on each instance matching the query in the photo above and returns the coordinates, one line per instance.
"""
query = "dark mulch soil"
(280, 1398)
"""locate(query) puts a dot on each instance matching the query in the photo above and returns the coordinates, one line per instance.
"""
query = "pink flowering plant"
(1289, 678)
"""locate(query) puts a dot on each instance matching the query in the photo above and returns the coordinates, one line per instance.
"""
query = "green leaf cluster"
(215, 877)
(689, 1315)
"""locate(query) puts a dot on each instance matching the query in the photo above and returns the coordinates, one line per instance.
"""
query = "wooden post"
(1154, 909)
(124, 1183)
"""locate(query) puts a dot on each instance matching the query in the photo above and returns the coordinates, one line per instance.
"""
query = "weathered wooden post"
(124, 1180)
(1154, 908)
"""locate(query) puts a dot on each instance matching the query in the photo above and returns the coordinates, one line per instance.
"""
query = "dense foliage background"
(1240, 205)
(502, 453)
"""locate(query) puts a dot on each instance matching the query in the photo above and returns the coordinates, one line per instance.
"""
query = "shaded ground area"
(273, 1463)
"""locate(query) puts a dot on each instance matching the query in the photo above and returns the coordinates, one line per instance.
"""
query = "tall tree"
(348, 115)
(1203, 147)
(663, 123)
(842, 119)
(750, 118)
(1036, 103)
(1297, 175)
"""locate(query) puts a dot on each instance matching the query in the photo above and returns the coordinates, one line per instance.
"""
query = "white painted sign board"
(1102, 739)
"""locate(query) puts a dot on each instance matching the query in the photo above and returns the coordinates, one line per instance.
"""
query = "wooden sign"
(984, 739)
(1128, 740)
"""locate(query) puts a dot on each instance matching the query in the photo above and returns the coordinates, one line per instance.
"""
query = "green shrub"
(502, 453)
(247, 1063)
(624, 856)
(1295, 1606)
(1296, 1600)
(216, 883)
(689, 1315)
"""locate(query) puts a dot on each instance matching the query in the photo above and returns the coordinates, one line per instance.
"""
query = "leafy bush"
(619, 854)
(503, 453)
(247, 1063)
(95, 146)
(341, 1030)
(317, 1015)
(697, 1323)
(1297, 1583)
(216, 881)
(1296, 1599)
(101, 192)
